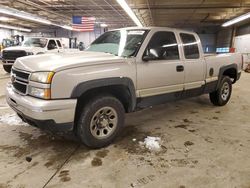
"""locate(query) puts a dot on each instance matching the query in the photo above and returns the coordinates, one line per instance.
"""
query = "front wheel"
(100, 121)
(7, 68)
(221, 96)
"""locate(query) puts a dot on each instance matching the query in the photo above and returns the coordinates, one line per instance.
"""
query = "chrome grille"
(13, 54)
(20, 80)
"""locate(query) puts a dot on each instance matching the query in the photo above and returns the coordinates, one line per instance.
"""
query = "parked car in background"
(123, 70)
(31, 46)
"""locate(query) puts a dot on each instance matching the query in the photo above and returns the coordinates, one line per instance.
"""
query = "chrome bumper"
(8, 62)
(60, 111)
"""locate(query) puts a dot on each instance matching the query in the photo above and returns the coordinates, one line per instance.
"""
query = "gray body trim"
(83, 87)
(223, 69)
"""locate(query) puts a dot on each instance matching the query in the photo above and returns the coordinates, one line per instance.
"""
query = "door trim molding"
(159, 90)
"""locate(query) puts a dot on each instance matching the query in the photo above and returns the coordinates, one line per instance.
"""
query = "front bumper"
(8, 62)
(53, 115)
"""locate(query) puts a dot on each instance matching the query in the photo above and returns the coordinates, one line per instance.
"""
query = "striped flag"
(81, 23)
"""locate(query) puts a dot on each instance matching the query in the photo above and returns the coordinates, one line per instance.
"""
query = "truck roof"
(154, 28)
(46, 37)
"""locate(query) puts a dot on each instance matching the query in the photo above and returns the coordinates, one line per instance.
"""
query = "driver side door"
(161, 70)
(52, 46)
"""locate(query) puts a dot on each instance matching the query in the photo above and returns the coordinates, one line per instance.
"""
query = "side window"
(162, 46)
(52, 45)
(58, 43)
(190, 45)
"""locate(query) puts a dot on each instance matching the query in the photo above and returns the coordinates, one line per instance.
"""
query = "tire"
(7, 68)
(100, 121)
(221, 96)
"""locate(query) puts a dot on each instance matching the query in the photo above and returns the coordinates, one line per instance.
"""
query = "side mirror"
(147, 58)
(152, 54)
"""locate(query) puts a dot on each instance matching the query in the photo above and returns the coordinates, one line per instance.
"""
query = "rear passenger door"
(161, 70)
(194, 64)
(52, 46)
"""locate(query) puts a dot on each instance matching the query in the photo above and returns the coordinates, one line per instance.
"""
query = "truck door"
(194, 62)
(52, 47)
(59, 45)
(161, 70)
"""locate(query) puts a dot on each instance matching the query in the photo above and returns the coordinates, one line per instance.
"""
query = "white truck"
(31, 46)
(124, 70)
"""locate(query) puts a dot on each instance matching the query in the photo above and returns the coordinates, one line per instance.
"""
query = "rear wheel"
(7, 68)
(221, 96)
(100, 121)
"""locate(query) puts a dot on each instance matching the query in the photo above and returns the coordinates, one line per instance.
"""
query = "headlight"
(40, 92)
(42, 77)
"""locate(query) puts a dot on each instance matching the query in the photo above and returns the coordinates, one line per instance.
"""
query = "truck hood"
(27, 49)
(60, 61)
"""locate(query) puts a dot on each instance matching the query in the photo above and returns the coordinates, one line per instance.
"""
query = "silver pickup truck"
(89, 92)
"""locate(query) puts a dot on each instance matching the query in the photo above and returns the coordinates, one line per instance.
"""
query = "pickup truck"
(31, 46)
(124, 70)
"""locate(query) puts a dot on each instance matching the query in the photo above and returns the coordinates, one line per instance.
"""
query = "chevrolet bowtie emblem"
(13, 78)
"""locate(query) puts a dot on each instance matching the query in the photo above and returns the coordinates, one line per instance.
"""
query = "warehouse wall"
(223, 38)
(4, 33)
(208, 42)
(86, 37)
(243, 30)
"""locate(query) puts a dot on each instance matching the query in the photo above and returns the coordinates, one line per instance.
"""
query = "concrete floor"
(203, 146)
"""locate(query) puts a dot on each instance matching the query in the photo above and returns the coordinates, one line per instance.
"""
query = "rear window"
(190, 45)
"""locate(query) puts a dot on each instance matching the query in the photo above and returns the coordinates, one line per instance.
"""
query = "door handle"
(180, 68)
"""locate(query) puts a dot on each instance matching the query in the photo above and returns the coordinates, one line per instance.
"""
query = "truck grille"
(20, 80)
(13, 54)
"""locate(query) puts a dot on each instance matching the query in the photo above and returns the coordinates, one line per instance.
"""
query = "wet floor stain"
(181, 126)
(208, 139)
(192, 130)
(102, 153)
(125, 141)
(194, 112)
(64, 176)
(31, 146)
(188, 143)
(187, 121)
(96, 162)
(15, 151)
(28, 159)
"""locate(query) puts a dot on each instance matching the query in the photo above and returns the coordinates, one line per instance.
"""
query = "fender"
(222, 70)
(83, 87)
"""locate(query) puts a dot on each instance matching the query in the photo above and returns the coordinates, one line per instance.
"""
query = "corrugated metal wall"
(243, 30)
(224, 38)
(208, 42)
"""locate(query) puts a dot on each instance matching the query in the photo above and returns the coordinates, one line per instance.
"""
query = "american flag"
(81, 23)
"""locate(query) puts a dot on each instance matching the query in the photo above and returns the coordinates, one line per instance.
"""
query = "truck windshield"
(35, 42)
(123, 43)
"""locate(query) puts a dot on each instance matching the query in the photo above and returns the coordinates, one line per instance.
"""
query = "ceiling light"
(103, 25)
(236, 20)
(4, 19)
(129, 11)
(23, 15)
(66, 27)
(15, 28)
